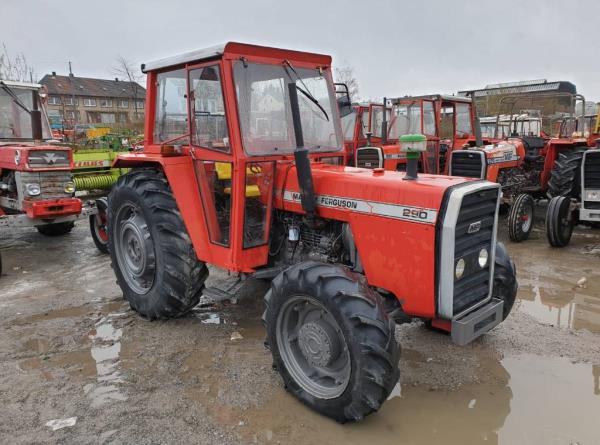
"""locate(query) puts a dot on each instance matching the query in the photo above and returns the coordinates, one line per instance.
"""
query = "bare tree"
(345, 74)
(15, 68)
(126, 68)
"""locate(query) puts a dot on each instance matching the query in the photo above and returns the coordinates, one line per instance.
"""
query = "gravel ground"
(70, 347)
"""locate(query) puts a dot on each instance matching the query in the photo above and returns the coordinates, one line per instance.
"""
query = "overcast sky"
(395, 47)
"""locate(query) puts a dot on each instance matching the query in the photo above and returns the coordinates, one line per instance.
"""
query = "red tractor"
(243, 168)
(446, 121)
(528, 168)
(36, 186)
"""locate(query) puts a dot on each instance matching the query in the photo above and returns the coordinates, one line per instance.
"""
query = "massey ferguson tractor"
(242, 168)
(528, 168)
(36, 188)
(448, 122)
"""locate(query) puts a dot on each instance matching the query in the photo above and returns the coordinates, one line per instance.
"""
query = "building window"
(68, 100)
(70, 114)
(140, 104)
(105, 103)
(123, 103)
(87, 102)
(107, 118)
(54, 100)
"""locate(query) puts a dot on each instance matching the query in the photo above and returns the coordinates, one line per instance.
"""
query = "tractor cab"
(355, 128)
(446, 121)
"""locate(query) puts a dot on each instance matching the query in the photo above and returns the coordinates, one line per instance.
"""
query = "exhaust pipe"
(303, 170)
(384, 123)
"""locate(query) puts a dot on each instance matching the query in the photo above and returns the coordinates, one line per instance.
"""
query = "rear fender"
(179, 171)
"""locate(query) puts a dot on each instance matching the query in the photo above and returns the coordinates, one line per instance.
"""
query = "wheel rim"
(100, 228)
(526, 218)
(313, 348)
(134, 249)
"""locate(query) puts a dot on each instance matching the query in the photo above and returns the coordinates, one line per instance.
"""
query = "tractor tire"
(559, 221)
(331, 340)
(505, 279)
(58, 229)
(565, 178)
(98, 226)
(151, 252)
(520, 218)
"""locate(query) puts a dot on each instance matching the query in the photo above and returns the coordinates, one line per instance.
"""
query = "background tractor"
(448, 122)
(36, 188)
(243, 168)
(527, 167)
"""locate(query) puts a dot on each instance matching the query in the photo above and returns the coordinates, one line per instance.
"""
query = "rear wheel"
(520, 218)
(331, 340)
(559, 221)
(57, 229)
(98, 227)
(565, 179)
(151, 252)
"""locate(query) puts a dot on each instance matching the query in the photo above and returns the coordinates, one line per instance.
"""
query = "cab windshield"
(15, 122)
(265, 113)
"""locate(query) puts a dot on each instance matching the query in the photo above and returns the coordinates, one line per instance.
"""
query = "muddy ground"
(70, 347)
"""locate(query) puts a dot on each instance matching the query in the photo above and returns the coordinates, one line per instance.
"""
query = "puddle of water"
(105, 350)
(70, 312)
(530, 400)
(548, 288)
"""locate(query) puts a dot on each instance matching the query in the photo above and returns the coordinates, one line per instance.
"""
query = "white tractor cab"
(511, 125)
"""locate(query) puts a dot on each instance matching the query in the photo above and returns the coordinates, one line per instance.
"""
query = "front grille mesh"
(52, 184)
(369, 157)
(477, 210)
(591, 170)
(467, 163)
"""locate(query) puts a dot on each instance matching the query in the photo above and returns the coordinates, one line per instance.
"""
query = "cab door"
(213, 159)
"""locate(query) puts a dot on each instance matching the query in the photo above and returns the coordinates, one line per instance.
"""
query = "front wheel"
(331, 340)
(57, 229)
(505, 279)
(559, 221)
(98, 227)
(520, 218)
(151, 251)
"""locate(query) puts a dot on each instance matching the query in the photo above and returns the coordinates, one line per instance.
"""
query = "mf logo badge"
(50, 158)
(474, 227)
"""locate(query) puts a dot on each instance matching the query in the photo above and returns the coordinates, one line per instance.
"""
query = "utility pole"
(73, 106)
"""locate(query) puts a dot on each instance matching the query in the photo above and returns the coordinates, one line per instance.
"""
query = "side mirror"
(343, 99)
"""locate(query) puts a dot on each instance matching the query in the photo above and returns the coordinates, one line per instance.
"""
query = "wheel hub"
(135, 249)
(319, 343)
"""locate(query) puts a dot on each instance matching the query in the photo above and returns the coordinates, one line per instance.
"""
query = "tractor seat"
(223, 170)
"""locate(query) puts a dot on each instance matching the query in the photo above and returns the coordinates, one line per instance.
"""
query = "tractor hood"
(377, 192)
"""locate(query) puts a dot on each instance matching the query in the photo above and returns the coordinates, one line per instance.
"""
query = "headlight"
(592, 195)
(33, 189)
(70, 187)
(460, 268)
(483, 258)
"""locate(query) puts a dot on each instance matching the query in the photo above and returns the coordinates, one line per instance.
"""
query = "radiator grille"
(369, 157)
(474, 231)
(52, 184)
(591, 170)
(468, 163)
